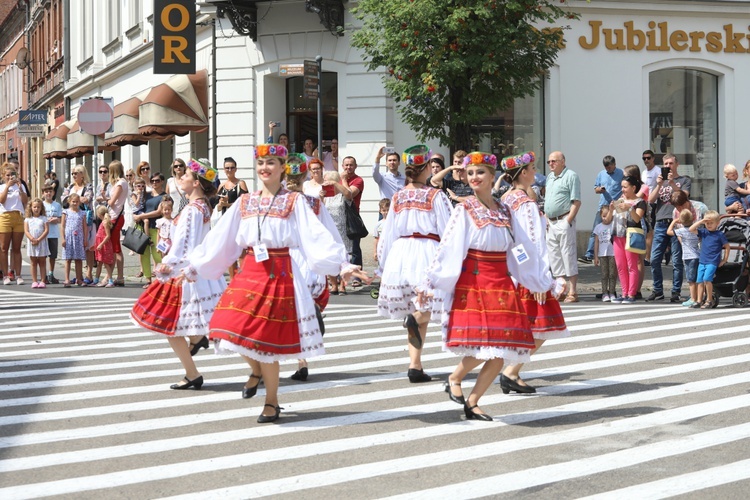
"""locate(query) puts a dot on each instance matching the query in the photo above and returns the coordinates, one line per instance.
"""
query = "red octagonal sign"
(95, 116)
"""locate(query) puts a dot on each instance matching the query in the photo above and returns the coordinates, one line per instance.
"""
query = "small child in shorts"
(714, 254)
(690, 251)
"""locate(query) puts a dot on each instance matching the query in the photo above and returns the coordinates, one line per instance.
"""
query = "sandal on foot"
(708, 305)
(573, 297)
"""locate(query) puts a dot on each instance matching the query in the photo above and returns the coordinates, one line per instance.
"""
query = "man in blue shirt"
(392, 180)
(608, 185)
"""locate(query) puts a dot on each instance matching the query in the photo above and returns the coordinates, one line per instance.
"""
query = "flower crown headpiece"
(296, 164)
(203, 168)
(518, 161)
(479, 158)
(416, 156)
(271, 150)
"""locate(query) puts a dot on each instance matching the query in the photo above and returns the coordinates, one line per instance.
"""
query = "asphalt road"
(643, 401)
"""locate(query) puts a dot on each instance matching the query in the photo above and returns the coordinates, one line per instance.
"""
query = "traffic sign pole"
(319, 60)
(95, 117)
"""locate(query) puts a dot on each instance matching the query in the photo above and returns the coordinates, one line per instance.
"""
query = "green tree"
(452, 63)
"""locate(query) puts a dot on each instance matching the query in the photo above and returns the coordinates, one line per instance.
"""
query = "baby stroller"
(731, 279)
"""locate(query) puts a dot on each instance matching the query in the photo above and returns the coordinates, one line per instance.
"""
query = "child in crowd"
(73, 237)
(164, 226)
(690, 251)
(383, 206)
(36, 229)
(105, 255)
(138, 199)
(54, 212)
(714, 254)
(734, 193)
(604, 255)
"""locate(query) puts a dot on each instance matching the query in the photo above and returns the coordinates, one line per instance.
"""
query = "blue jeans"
(590, 247)
(658, 247)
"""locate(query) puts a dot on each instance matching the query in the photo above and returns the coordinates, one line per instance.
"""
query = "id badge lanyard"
(260, 250)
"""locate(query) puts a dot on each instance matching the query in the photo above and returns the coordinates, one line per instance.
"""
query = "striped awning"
(56, 142)
(176, 107)
(126, 123)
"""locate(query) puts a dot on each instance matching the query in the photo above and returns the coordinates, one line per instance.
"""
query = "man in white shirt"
(649, 177)
(392, 180)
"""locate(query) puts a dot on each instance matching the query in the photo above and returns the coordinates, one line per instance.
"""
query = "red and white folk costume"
(267, 312)
(408, 242)
(547, 321)
(484, 316)
(177, 307)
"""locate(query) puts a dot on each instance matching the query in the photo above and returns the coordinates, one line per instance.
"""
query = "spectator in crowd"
(55, 184)
(103, 188)
(105, 257)
(383, 206)
(452, 180)
(713, 254)
(607, 186)
(174, 191)
(629, 211)
(83, 188)
(392, 180)
(283, 138)
(648, 177)
(354, 186)
(662, 197)
(128, 214)
(604, 255)
(54, 213)
(73, 238)
(36, 228)
(335, 205)
(690, 252)
(734, 193)
(562, 202)
(314, 186)
(151, 213)
(635, 172)
(143, 171)
(232, 188)
(331, 158)
(309, 149)
(13, 200)
(436, 166)
(117, 200)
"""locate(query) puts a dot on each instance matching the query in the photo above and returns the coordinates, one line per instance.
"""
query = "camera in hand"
(665, 173)
(389, 150)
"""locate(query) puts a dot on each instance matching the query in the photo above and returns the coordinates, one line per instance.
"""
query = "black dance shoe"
(507, 384)
(412, 327)
(194, 348)
(470, 415)
(265, 419)
(417, 376)
(456, 399)
(248, 392)
(300, 374)
(196, 383)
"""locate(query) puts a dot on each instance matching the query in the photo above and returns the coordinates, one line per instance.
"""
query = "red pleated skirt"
(546, 319)
(158, 308)
(257, 310)
(323, 298)
(487, 309)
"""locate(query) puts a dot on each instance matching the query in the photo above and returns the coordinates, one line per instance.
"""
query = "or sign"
(310, 80)
(95, 116)
(291, 69)
(32, 123)
(174, 37)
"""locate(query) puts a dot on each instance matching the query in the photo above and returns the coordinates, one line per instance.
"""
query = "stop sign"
(95, 116)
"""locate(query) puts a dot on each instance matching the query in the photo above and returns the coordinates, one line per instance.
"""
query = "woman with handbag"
(481, 252)
(267, 313)
(408, 241)
(628, 212)
(83, 188)
(173, 306)
(544, 312)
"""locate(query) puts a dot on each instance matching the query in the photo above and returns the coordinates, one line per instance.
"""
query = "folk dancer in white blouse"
(543, 310)
(171, 305)
(408, 242)
(267, 313)
(486, 323)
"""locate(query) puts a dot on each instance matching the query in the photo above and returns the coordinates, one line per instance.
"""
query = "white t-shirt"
(648, 177)
(604, 233)
(13, 201)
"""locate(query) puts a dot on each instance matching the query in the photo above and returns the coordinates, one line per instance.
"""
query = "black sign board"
(174, 37)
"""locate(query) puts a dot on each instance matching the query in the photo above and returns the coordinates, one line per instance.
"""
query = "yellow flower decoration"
(210, 175)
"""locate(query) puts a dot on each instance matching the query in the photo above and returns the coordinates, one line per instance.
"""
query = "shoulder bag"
(136, 240)
(635, 240)
(355, 227)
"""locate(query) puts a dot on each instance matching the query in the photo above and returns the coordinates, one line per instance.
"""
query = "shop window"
(683, 121)
(302, 113)
(514, 130)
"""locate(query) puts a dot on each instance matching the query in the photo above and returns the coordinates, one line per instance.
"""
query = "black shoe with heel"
(412, 327)
(507, 384)
(417, 376)
(456, 399)
(300, 374)
(248, 392)
(265, 419)
(194, 348)
(470, 415)
(196, 384)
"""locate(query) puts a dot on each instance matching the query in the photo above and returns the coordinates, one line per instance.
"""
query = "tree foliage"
(452, 63)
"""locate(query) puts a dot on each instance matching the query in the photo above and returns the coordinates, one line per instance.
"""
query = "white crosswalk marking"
(643, 401)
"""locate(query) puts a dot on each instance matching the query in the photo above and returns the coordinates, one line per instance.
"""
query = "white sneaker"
(19, 281)
(6, 281)
(606, 297)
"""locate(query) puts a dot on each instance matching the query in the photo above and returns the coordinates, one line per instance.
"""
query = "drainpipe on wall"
(65, 174)
(27, 36)
(215, 153)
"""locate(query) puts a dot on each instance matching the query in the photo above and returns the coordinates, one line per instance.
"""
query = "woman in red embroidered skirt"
(171, 305)
(543, 309)
(477, 255)
(267, 313)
